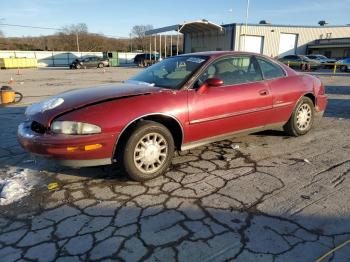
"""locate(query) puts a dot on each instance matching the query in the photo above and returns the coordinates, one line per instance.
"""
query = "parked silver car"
(344, 64)
(88, 62)
(329, 62)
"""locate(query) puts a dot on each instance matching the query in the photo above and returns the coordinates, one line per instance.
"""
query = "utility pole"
(246, 25)
(130, 42)
(76, 34)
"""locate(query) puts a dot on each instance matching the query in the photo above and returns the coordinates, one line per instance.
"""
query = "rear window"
(270, 70)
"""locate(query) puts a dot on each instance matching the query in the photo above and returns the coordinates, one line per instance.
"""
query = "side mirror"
(210, 82)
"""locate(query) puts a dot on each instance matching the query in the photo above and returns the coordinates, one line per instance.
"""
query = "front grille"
(37, 127)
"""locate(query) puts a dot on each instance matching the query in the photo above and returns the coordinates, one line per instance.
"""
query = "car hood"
(45, 111)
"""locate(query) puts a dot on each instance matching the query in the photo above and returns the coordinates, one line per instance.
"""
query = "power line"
(29, 26)
(56, 29)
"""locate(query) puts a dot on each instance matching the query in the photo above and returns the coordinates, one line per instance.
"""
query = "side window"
(233, 70)
(269, 69)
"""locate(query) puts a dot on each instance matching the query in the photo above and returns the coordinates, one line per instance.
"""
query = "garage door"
(288, 44)
(253, 43)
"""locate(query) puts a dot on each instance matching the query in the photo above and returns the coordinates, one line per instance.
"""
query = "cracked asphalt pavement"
(262, 197)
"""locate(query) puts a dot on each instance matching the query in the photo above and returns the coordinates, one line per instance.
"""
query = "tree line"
(77, 36)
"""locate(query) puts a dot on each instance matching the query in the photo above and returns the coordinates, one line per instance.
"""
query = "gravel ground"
(262, 197)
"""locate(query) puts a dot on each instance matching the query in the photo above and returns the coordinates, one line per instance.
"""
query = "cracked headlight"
(74, 128)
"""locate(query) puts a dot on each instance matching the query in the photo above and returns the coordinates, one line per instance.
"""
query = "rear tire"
(148, 151)
(343, 68)
(301, 119)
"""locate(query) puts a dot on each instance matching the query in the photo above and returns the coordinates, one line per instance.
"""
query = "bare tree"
(139, 35)
(2, 37)
(74, 34)
(75, 28)
(1, 33)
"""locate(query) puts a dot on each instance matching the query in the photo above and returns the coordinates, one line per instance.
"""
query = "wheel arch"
(308, 95)
(311, 96)
(169, 121)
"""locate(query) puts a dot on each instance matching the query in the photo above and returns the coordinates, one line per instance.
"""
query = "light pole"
(246, 25)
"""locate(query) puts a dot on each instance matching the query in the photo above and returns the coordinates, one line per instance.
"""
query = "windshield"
(170, 73)
(305, 58)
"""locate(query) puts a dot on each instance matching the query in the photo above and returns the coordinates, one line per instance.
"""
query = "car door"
(85, 62)
(283, 89)
(93, 61)
(296, 61)
(242, 102)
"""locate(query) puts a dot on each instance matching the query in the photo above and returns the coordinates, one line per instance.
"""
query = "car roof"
(222, 53)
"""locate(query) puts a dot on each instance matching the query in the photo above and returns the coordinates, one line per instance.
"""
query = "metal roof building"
(268, 39)
(330, 47)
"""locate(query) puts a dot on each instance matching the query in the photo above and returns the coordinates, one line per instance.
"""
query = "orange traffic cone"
(12, 81)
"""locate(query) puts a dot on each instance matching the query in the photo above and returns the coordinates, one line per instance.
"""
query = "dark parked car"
(179, 103)
(344, 64)
(146, 59)
(300, 62)
(88, 62)
(323, 60)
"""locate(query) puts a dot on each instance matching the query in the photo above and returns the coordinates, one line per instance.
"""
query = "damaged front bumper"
(58, 147)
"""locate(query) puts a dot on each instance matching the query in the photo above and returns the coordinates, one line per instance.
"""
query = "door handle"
(263, 92)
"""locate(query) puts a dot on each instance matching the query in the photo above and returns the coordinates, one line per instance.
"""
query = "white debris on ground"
(307, 161)
(15, 184)
(236, 147)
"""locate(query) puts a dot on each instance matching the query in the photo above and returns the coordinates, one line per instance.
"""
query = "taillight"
(322, 89)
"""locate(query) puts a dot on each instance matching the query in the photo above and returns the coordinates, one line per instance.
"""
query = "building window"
(328, 53)
(347, 52)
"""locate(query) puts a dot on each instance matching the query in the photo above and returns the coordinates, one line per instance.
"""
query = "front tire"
(301, 119)
(148, 151)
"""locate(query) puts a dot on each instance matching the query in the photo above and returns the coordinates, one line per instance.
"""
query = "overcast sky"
(118, 17)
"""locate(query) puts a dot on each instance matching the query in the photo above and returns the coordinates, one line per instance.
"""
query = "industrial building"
(268, 39)
(331, 47)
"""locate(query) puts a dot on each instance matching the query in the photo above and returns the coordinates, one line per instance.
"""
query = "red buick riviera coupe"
(177, 104)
